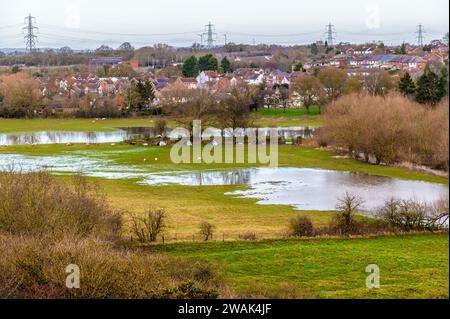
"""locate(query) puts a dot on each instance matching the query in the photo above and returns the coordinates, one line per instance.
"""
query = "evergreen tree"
(314, 49)
(208, 63)
(429, 88)
(406, 85)
(401, 50)
(225, 65)
(444, 82)
(190, 67)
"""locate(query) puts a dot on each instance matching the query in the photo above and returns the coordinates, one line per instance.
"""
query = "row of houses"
(88, 83)
(407, 63)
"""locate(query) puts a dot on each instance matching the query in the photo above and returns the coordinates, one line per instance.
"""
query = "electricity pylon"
(210, 35)
(420, 35)
(330, 34)
(30, 36)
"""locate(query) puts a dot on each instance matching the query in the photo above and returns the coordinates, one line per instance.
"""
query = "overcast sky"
(70, 22)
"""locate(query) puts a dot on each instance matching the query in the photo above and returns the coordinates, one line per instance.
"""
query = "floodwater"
(122, 134)
(304, 189)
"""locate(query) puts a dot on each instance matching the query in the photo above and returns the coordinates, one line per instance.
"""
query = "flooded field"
(122, 134)
(304, 189)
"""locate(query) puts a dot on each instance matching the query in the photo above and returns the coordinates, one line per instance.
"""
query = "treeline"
(193, 66)
(390, 129)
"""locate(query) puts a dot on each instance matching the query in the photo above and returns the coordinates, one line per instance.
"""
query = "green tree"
(139, 96)
(208, 62)
(406, 85)
(429, 88)
(444, 82)
(401, 49)
(314, 49)
(190, 67)
(225, 65)
(146, 93)
(298, 67)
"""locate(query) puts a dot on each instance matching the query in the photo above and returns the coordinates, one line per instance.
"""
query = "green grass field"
(290, 113)
(411, 266)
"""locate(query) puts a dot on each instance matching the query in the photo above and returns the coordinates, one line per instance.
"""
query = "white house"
(206, 77)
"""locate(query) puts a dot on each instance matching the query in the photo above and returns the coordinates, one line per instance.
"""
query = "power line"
(272, 35)
(10, 26)
(85, 31)
(30, 37)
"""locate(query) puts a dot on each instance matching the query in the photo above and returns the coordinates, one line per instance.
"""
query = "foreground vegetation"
(46, 225)
(329, 268)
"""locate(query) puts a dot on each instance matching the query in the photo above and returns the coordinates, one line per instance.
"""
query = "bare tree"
(206, 231)
(379, 82)
(310, 89)
(334, 81)
(347, 208)
(234, 108)
(148, 227)
(190, 105)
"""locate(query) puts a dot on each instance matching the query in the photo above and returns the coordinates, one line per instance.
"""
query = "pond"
(122, 134)
(302, 188)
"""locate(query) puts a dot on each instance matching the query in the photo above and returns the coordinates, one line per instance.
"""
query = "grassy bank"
(411, 266)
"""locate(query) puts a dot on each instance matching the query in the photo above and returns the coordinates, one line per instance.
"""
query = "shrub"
(248, 236)
(206, 231)
(301, 226)
(32, 267)
(37, 204)
(347, 208)
(389, 129)
(46, 225)
(160, 127)
(147, 228)
(411, 215)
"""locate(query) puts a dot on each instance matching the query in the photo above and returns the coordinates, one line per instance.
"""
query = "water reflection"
(122, 134)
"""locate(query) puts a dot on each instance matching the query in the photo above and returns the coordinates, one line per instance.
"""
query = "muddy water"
(305, 189)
